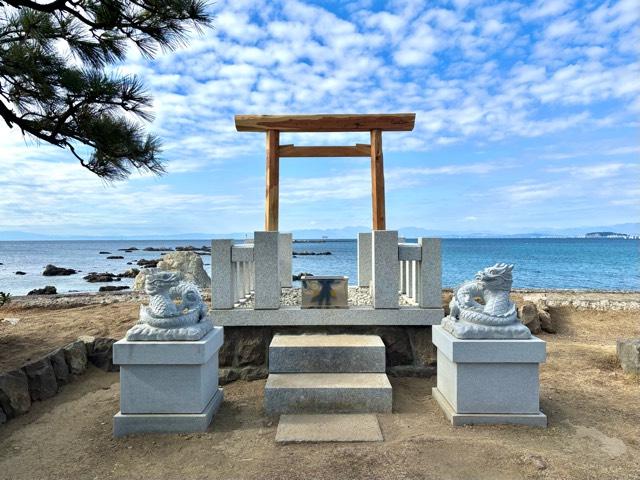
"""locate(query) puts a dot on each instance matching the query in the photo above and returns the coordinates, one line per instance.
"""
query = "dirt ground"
(593, 410)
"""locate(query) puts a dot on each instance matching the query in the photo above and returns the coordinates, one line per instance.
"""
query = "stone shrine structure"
(327, 360)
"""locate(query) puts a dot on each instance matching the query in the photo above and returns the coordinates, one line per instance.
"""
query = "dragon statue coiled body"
(496, 317)
(176, 310)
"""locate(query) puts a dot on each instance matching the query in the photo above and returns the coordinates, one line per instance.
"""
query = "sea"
(540, 263)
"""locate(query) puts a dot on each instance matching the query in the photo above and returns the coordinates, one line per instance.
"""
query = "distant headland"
(610, 235)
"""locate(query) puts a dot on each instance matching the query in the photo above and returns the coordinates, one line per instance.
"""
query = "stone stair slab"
(291, 393)
(327, 354)
(359, 427)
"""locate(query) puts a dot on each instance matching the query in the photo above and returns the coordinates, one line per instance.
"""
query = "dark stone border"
(42, 379)
(245, 352)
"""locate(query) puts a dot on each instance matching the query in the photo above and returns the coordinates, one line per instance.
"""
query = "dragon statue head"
(158, 281)
(496, 277)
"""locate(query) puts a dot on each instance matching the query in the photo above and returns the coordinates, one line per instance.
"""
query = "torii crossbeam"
(373, 123)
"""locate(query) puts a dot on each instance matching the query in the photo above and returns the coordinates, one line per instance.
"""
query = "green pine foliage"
(5, 298)
(58, 84)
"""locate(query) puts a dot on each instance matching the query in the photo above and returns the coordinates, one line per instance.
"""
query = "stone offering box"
(325, 292)
(489, 381)
(167, 386)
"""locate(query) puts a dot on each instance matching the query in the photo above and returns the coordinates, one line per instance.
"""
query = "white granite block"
(532, 350)
(489, 377)
(459, 419)
(128, 424)
(327, 353)
(385, 269)
(168, 388)
(336, 427)
(221, 275)
(364, 259)
(176, 352)
(430, 293)
(327, 393)
(267, 278)
(364, 315)
(409, 252)
(242, 253)
(285, 255)
(168, 377)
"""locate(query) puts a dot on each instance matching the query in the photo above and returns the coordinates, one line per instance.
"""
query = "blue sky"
(527, 119)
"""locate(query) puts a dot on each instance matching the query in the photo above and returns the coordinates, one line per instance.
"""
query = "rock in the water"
(143, 262)
(131, 273)
(115, 257)
(188, 263)
(529, 316)
(101, 354)
(53, 271)
(76, 356)
(629, 355)
(311, 253)
(130, 249)
(14, 393)
(59, 365)
(113, 288)
(48, 290)
(20, 272)
(42, 379)
(157, 249)
(104, 253)
(95, 277)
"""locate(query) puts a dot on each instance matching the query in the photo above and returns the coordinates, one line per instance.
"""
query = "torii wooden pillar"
(373, 123)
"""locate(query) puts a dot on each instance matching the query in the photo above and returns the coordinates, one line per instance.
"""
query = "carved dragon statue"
(175, 311)
(496, 317)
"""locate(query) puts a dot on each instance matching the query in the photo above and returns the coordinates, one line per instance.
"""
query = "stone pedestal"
(167, 386)
(489, 381)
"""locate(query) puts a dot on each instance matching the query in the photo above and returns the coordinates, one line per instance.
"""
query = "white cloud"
(476, 74)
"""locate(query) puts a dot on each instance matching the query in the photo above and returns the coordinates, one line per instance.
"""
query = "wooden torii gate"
(373, 123)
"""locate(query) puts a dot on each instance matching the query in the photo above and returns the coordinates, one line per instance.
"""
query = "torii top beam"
(374, 123)
(396, 122)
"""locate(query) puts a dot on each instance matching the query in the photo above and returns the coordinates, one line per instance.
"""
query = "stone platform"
(489, 381)
(296, 316)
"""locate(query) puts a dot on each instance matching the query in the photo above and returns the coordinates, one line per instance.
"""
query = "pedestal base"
(130, 423)
(459, 419)
(167, 386)
(489, 381)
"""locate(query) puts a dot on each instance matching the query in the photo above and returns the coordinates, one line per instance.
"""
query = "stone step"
(329, 427)
(326, 354)
(287, 393)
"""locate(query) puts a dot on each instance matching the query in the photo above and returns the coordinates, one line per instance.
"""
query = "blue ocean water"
(567, 263)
